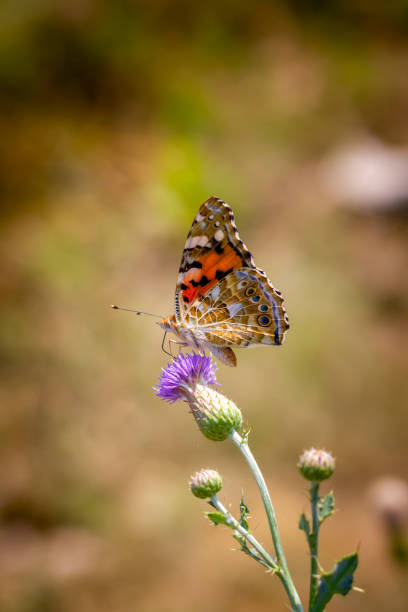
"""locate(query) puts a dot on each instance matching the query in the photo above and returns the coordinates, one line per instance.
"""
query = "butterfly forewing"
(213, 249)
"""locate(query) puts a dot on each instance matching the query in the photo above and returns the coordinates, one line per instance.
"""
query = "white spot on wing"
(194, 241)
(234, 308)
(219, 235)
(215, 293)
(202, 241)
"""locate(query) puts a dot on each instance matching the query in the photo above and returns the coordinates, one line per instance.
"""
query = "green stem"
(269, 561)
(283, 570)
(314, 543)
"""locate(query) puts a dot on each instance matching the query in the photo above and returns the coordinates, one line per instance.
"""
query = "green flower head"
(316, 465)
(205, 483)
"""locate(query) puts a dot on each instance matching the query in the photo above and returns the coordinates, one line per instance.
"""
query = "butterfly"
(223, 300)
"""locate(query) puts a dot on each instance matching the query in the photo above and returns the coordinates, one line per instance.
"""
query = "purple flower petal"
(183, 373)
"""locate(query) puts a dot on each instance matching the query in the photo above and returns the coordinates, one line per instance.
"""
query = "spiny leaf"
(239, 538)
(243, 507)
(217, 518)
(304, 525)
(339, 580)
(245, 434)
(244, 512)
(251, 552)
(326, 507)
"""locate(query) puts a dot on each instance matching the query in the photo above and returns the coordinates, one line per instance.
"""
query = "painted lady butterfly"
(223, 300)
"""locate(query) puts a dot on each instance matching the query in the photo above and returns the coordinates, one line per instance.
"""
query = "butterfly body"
(223, 300)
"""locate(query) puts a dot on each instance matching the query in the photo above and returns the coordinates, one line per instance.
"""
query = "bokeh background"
(118, 119)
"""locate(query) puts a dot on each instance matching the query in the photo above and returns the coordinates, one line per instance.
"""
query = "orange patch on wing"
(190, 294)
(214, 261)
(207, 287)
(211, 262)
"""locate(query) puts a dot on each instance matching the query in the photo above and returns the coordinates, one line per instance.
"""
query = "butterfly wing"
(213, 249)
(243, 309)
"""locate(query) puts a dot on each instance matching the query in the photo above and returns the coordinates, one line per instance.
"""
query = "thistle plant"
(191, 378)
(388, 497)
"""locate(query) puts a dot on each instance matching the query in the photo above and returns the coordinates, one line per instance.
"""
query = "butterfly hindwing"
(242, 309)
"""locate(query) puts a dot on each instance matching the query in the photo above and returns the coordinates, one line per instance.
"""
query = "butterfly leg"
(162, 346)
(171, 342)
(179, 344)
(202, 353)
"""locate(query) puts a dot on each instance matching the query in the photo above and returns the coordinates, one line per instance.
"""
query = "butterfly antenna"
(138, 312)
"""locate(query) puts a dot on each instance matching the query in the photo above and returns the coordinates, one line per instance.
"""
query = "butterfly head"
(168, 323)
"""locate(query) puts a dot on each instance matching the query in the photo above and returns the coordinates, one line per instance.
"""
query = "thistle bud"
(188, 378)
(205, 483)
(316, 465)
(389, 498)
(216, 415)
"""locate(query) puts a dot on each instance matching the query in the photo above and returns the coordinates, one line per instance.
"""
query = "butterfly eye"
(256, 298)
(263, 307)
(264, 320)
(250, 291)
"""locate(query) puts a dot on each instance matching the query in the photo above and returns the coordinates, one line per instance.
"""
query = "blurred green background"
(118, 119)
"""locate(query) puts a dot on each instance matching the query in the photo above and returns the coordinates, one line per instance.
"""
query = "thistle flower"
(205, 483)
(188, 377)
(179, 379)
(316, 465)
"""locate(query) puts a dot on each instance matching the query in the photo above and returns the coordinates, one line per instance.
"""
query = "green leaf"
(304, 525)
(244, 512)
(339, 580)
(239, 538)
(251, 552)
(217, 518)
(326, 507)
(245, 435)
